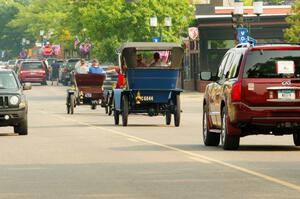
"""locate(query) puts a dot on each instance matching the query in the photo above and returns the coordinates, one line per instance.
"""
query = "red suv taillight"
(236, 92)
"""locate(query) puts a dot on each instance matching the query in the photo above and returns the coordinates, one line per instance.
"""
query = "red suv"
(256, 91)
(33, 71)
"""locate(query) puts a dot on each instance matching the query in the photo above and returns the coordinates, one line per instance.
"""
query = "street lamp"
(258, 8)
(154, 24)
(153, 21)
(237, 14)
(42, 32)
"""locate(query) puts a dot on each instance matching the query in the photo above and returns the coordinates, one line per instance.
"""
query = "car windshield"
(7, 81)
(32, 65)
(273, 64)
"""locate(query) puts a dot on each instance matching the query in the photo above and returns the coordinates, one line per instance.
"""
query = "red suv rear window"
(264, 64)
(32, 65)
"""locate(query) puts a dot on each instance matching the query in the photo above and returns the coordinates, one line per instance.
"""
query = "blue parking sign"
(242, 35)
(156, 39)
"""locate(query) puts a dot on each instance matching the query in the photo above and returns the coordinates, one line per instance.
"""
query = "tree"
(10, 38)
(49, 16)
(110, 23)
(292, 34)
(107, 23)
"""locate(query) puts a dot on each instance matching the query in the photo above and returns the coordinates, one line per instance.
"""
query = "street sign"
(193, 33)
(156, 39)
(252, 40)
(242, 35)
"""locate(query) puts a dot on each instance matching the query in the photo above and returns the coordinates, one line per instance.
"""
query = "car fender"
(118, 98)
(71, 91)
(173, 94)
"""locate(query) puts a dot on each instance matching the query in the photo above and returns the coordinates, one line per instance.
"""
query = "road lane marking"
(192, 155)
(199, 160)
(132, 140)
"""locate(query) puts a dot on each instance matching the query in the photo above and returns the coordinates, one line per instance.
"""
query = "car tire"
(116, 116)
(229, 142)
(209, 138)
(68, 104)
(22, 127)
(106, 109)
(94, 106)
(110, 102)
(72, 104)
(177, 111)
(124, 110)
(296, 138)
(168, 118)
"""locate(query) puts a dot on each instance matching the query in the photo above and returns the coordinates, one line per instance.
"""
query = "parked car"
(66, 71)
(3, 65)
(256, 91)
(11, 64)
(33, 71)
(17, 65)
(13, 103)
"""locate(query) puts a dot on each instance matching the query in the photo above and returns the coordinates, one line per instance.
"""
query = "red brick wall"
(189, 85)
(201, 85)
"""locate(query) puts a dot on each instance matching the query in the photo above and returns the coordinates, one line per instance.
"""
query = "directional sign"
(156, 39)
(252, 40)
(242, 35)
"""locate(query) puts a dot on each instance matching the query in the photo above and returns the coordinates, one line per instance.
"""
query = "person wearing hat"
(96, 69)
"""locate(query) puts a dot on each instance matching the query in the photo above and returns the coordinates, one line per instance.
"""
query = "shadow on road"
(8, 134)
(268, 148)
(196, 147)
(57, 126)
(160, 148)
(129, 125)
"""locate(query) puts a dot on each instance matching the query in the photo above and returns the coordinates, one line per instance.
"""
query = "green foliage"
(107, 23)
(10, 38)
(39, 15)
(292, 34)
(110, 23)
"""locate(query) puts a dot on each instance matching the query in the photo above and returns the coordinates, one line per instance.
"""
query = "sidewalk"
(192, 93)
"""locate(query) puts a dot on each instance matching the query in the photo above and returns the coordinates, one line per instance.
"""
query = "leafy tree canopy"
(292, 34)
(107, 23)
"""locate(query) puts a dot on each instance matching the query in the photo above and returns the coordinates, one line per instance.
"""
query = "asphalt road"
(85, 156)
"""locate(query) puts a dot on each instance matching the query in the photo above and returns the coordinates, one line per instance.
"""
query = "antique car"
(66, 71)
(108, 86)
(152, 71)
(87, 90)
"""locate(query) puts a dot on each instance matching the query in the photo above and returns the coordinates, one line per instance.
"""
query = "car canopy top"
(129, 51)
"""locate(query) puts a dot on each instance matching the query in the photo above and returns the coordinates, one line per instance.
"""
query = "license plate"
(108, 78)
(286, 94)
(88, 95)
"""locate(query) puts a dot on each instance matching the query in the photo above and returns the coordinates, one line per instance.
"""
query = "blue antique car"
(152, 72)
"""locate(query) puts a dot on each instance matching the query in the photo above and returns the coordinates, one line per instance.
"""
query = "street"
(85, 156)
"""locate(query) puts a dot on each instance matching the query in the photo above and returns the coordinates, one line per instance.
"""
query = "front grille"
(3, 101)
(15, 116)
